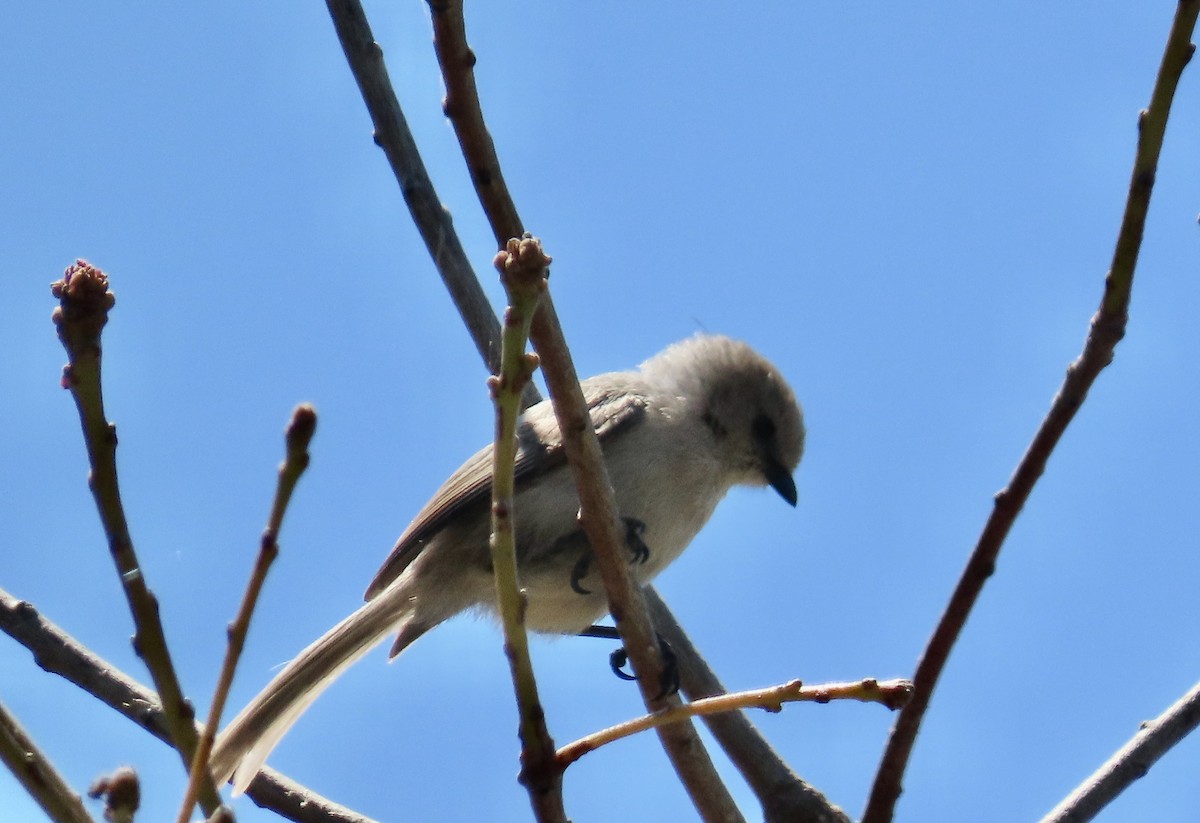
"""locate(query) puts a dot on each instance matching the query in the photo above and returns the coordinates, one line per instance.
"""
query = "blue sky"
(909, 210)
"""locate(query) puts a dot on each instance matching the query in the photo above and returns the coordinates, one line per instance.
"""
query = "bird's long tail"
(243, 746)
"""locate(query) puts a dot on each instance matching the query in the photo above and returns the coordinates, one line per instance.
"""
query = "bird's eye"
(710, 420)
(763, 427)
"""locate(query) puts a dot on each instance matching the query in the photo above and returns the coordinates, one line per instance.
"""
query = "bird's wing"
(612, 408)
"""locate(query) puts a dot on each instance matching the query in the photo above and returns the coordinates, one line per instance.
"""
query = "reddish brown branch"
(297, 437)
(1107, 329)
(464, 111)
(598, 513)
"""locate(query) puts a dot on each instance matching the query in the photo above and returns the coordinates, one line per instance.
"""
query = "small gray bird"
(706, 414)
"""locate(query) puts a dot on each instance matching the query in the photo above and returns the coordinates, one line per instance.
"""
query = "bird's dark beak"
(780, 479)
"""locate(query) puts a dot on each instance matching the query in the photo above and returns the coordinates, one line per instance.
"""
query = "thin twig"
(598, 512)
(59, 653)
(785, 797)
(464, 111)
(892, 693)
(522, 266)
(598, 516)
(1107, 328)
(1131, 762)
(37, 774)
(297, 437)
(84, 303)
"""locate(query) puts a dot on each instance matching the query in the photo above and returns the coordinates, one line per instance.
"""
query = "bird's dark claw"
(668, 683)
(617, 661)
(580, 571)
(634, 529)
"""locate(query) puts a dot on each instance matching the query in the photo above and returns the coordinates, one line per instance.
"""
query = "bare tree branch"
(1107, 328)
(1131, 762)
(785, 797)
(365, 59)
(84, 303)
(599, 518)
(432, 219)
(465, 113)
(59, 653)
(891, 693)
(298, 435)
(37, 774)
(598, 512)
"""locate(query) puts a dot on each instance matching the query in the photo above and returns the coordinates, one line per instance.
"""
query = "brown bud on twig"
(121, 792)
(83, 291)
(84, 302)
(523, 263)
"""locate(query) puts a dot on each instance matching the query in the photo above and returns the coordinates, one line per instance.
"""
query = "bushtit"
(704, 415)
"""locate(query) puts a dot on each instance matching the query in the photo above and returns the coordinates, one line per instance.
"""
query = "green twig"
(299, 434)
(84, 303)
(523, 266)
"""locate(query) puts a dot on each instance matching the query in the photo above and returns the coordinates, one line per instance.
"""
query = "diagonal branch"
(37, 774)
(365, 59)
(297, 437)
(59, 653)
(598, 512)
(785, 797)
(599, 517)
(1107, 328)
(1131, 762)
(431, 218)
(463, 109)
